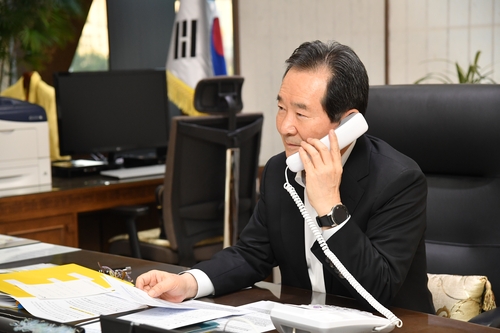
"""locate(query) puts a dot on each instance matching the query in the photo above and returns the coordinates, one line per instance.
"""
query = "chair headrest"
(446, 128)
(219, 95)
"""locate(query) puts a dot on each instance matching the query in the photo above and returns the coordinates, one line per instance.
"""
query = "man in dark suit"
(368, 200)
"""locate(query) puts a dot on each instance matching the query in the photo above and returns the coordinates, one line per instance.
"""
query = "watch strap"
(337, 215)
(325, 221)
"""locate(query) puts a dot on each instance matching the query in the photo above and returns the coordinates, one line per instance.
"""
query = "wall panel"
(271, 30)
(430, 36)
(424, 36)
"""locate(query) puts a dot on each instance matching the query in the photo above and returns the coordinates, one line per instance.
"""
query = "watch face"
(340, 214)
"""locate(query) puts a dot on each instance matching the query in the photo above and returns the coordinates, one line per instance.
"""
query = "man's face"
(300, 113)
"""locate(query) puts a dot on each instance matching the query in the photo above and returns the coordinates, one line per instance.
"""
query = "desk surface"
(412, 321)
(74, 183)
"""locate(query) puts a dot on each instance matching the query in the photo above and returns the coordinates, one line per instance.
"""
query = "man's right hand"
(168, 286)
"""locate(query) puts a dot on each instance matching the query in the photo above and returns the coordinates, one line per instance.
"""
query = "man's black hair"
(348, 85)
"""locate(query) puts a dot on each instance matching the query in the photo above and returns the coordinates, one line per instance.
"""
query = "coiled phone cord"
(348, 276)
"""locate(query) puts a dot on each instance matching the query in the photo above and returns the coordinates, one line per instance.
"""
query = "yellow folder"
(44, 276)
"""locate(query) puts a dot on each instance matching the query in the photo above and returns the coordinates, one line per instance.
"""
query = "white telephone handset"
(350, 128)
(288, 318)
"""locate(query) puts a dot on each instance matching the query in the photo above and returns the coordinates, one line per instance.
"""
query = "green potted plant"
(473, 74)
(30, 30)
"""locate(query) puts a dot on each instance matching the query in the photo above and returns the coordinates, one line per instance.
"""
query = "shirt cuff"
(205, 285)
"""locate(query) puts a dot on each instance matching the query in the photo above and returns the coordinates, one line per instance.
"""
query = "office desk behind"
(50, 214)
(412, 321)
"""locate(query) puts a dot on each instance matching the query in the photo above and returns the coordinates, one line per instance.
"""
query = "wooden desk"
(51, 214)
(412, 321)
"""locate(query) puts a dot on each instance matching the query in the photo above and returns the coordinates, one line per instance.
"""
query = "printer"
(24, 145)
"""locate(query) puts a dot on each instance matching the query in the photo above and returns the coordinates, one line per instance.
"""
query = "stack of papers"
(64, 293)
(11, 241)
(71, 293)
(16, 249)
(6, 301)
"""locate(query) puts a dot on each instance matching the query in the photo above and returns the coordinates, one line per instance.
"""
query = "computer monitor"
(112, 112)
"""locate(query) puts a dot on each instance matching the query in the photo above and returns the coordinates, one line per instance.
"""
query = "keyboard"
(143, 171)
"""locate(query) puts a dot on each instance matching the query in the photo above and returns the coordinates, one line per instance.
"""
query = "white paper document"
(257, 320)
(173, 318)
(62, 289)
(25, 268)
(30, 251)
(252, 318)
(77, 309)
(6, 300)
(132, 294)
(57, 301)
(170, 315)
(11, 241)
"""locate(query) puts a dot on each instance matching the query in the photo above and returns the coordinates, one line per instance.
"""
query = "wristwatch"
(338, 215)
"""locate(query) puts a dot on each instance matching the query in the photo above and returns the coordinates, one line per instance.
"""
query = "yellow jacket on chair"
(42, 94)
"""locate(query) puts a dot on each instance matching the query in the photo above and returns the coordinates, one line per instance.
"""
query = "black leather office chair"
(453, 133)
(192, 198)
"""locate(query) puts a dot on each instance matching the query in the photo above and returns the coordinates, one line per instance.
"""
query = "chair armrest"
(488, 318)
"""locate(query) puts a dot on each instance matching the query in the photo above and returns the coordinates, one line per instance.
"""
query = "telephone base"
(326, 319)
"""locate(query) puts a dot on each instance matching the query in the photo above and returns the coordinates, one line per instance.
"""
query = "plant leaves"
(473, 74)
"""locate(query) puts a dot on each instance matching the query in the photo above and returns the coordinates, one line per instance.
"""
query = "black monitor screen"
(112, 111)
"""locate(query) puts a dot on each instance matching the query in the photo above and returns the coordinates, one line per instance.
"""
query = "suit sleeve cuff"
(205, 285)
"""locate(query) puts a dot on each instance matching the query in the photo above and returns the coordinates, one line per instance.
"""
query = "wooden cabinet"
(51, 216)
(60, 229)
